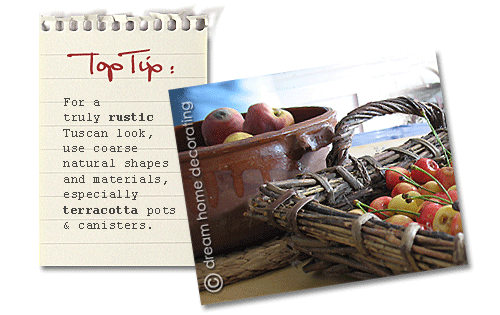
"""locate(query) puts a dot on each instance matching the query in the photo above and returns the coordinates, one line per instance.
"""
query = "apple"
(262, 118)
(453, 195)
(427, 212)
(392, 178)
(413, 193)
(421, 226)
(456, 224)
(443, 219)
(356, 211)
(399, 202)
(446, 176)
(399, 219)
(402, 188)
(428, 165)
(220, 123)
(431, 185)
(240, 135)
(381, 203)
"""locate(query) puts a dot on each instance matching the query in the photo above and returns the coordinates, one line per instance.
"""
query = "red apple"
(428, 165)
(402, 188)
(446, 176)
(220, 123)
(262, 118)
(427, 213)
(456, 224)
(381, 203)
(421, 226)
(392, 178)
(453, 194)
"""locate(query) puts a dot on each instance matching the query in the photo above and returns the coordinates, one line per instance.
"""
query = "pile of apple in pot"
(225, 125)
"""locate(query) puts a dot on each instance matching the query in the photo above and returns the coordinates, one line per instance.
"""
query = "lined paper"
(110, 184)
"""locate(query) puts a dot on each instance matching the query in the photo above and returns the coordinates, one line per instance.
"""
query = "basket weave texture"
(313, 207)
(251, 262)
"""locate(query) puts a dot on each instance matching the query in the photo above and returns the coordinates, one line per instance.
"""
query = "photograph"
(318, 177)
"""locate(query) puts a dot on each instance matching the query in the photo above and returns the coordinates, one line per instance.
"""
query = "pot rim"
(260, 139)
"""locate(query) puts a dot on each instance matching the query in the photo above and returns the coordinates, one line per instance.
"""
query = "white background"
(252, 38)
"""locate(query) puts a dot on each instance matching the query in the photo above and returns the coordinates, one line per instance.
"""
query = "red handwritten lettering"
(101, 66)
(109, 68)
(133, 52)
(91, 59)
(150, 68)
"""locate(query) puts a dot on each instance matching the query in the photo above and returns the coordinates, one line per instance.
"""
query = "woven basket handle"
(344, 130)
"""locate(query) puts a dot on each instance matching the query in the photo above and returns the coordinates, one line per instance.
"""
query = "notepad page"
(110, 184)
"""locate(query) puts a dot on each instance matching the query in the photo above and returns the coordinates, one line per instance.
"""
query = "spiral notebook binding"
(121, 22)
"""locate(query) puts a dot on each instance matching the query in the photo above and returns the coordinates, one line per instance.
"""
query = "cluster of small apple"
(425, 194)
(226, 124)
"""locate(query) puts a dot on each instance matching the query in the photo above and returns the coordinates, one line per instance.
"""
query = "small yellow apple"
(356, 211)
(410, 204)
(237, 136)
(444, 218)
(399, 219)
(431, 185)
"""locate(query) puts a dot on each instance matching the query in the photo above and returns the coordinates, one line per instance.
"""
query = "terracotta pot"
(218, 180)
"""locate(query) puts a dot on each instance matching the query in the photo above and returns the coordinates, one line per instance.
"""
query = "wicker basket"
(251, 262)
(313, 207)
